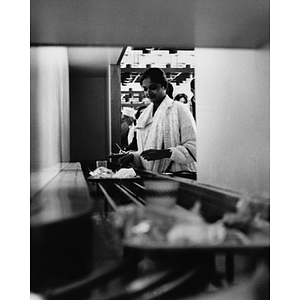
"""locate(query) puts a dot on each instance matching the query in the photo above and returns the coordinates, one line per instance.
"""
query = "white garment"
(172, 127)
(131, 133)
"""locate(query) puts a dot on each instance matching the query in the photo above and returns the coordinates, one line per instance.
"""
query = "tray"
(159, 249)
(257, 239)
(117, 155)
(112, 180)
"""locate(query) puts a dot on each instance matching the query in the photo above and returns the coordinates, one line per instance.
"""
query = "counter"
(105, 269)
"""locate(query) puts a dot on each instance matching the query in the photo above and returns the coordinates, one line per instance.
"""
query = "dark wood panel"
(88, 119)
(61, 230)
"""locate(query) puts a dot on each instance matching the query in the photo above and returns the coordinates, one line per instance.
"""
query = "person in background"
(193, 100)
(183, 98)
(166, 130)
(146, 101)
(170, 90)
(127, 119)
(132, 142)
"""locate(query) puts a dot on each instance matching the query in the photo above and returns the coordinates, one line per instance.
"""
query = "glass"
(161, 192)
(101, 163)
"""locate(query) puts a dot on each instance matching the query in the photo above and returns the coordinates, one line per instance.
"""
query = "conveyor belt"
(214, 203)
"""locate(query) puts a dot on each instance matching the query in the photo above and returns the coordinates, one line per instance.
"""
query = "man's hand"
(153, 154)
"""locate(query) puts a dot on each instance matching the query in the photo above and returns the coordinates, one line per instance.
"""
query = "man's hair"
(192, 83)
(170, 90)
(156, 75)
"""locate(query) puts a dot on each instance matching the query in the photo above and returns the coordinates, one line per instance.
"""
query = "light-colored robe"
(172, 127)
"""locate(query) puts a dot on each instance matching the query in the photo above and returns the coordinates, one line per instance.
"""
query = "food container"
(161, 192)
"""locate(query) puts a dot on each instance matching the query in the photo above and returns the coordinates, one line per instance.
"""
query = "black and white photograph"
(149, 151)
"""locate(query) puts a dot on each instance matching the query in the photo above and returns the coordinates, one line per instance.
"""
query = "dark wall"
(88, 119)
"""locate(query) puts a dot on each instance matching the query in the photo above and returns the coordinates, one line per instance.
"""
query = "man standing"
(166, 130)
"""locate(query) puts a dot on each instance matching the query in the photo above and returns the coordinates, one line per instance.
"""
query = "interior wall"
(114, 103)
(89, 123)
(49, 113)
(233, 118)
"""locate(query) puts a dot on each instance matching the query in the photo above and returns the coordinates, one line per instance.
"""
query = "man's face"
(154, 91)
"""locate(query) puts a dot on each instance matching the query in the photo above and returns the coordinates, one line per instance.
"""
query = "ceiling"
(140, 57)
(92, 61)
(178, 64)
(167, 23)
(96, 31)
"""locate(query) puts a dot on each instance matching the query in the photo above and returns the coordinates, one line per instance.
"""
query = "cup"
(161, 192)
(101, 163)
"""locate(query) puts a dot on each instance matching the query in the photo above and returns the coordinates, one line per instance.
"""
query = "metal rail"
(107, 197)
(129, 194)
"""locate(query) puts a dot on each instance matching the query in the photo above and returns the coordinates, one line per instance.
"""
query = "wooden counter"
(61, 230)
(65, 196)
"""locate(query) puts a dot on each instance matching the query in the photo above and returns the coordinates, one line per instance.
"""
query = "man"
(166, 131)
(170, 90)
